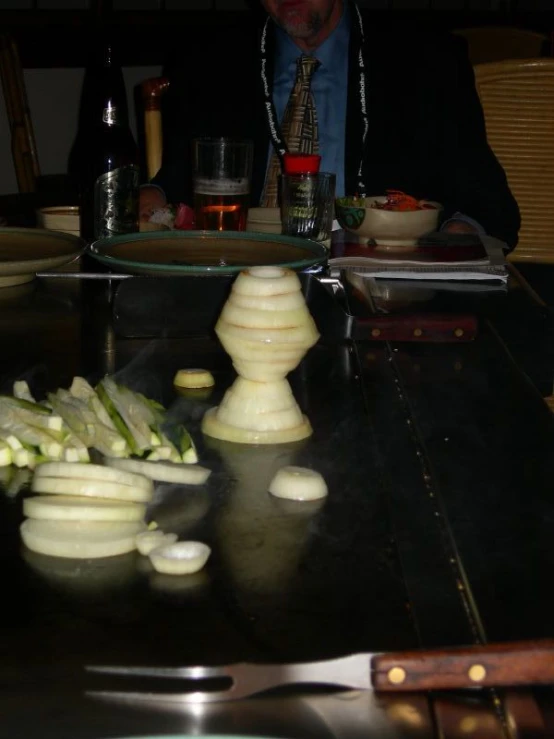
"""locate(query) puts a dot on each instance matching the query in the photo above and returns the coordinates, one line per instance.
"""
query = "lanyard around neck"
(275, 133)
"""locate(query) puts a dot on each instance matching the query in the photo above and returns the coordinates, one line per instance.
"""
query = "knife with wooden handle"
(491, 665)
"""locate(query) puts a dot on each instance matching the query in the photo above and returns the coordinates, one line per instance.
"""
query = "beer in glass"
(222, 173)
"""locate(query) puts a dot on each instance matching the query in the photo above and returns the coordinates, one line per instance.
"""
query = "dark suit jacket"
(426, 136)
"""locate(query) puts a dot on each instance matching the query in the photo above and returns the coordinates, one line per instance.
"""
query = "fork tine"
(246, 680)
(196, 697)
(191, 673)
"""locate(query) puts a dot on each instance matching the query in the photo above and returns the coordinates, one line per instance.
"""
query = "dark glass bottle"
(105, 157)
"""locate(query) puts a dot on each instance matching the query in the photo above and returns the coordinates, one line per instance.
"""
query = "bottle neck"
(104, 99)
(110, 98)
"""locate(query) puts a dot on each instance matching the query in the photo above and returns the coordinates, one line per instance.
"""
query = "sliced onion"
(263, 371)
(256, 351)
(181, 558)
(298, 483)
(80, 539)
(87, 471)
(74, 508)
(237, 399)
(148, 540)
(92, 488)
(186, 474)
(212, 426)
(259, 318)
(266, 281)
(305, 334)
(266, 329)
(288, 301)
(247, 389)
(193, 378)
(270, 421)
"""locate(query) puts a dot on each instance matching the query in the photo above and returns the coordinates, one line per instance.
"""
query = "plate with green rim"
(26, 251)
(174, 253)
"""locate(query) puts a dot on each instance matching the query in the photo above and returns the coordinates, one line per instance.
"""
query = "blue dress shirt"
(329, 88)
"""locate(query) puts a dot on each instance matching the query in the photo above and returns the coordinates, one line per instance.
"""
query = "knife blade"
(490, 665)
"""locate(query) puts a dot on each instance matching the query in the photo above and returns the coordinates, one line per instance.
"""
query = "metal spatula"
(516, 663)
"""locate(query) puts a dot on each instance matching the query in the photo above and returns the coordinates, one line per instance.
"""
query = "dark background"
(53, 33)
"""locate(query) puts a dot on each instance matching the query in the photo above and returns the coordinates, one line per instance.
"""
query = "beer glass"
(222, 170)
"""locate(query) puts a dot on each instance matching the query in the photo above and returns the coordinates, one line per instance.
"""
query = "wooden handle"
(515, 663)
(152, 91)
(423, 327)
(153, 138)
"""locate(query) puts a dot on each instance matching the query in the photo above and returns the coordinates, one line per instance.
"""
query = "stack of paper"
(440, 257)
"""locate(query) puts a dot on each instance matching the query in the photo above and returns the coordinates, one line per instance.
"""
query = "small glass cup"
(222, 171)
(307, 205)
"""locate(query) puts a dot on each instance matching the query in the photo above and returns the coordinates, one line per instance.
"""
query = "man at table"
(395, 109)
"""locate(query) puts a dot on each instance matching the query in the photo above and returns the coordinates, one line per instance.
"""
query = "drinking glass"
(307, 205)
(222, 170)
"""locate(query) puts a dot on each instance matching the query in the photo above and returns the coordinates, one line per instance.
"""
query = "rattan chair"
(518, 102)
(496, 43)
(24, 150)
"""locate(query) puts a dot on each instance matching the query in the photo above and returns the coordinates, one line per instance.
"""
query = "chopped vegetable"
(28, 405)
(181, 558)
(190, 474)
(212, 426)
(193, 378)
(81, 389)
(17, 482)
(98, 472)
(80, 539)
(6, 456)
(75, 508)
(149, 540)
(92, 488)
(266, 281)
(138, 437)
(114, 420)
(84, 423)
(266, 338)
(298, 483)
(140, 420)
(12, 426)
(21, 390)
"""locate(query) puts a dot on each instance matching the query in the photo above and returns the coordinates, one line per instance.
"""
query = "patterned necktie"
(299, 126)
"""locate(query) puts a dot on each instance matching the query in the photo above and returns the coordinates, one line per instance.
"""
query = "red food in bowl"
(399, 201)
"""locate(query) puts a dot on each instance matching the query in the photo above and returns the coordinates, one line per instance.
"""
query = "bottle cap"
(301, 163)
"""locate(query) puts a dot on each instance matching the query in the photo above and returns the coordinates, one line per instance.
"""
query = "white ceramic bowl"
(264, 220)
(64, 218)
(387, 227)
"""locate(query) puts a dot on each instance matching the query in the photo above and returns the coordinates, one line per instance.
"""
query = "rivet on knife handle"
(513, 663)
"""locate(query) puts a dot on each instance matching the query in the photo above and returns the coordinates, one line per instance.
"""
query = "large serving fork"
(491, 665)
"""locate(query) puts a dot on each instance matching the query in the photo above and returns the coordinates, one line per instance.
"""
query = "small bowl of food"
(394, 219)
(64, 218)
(264, 220)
